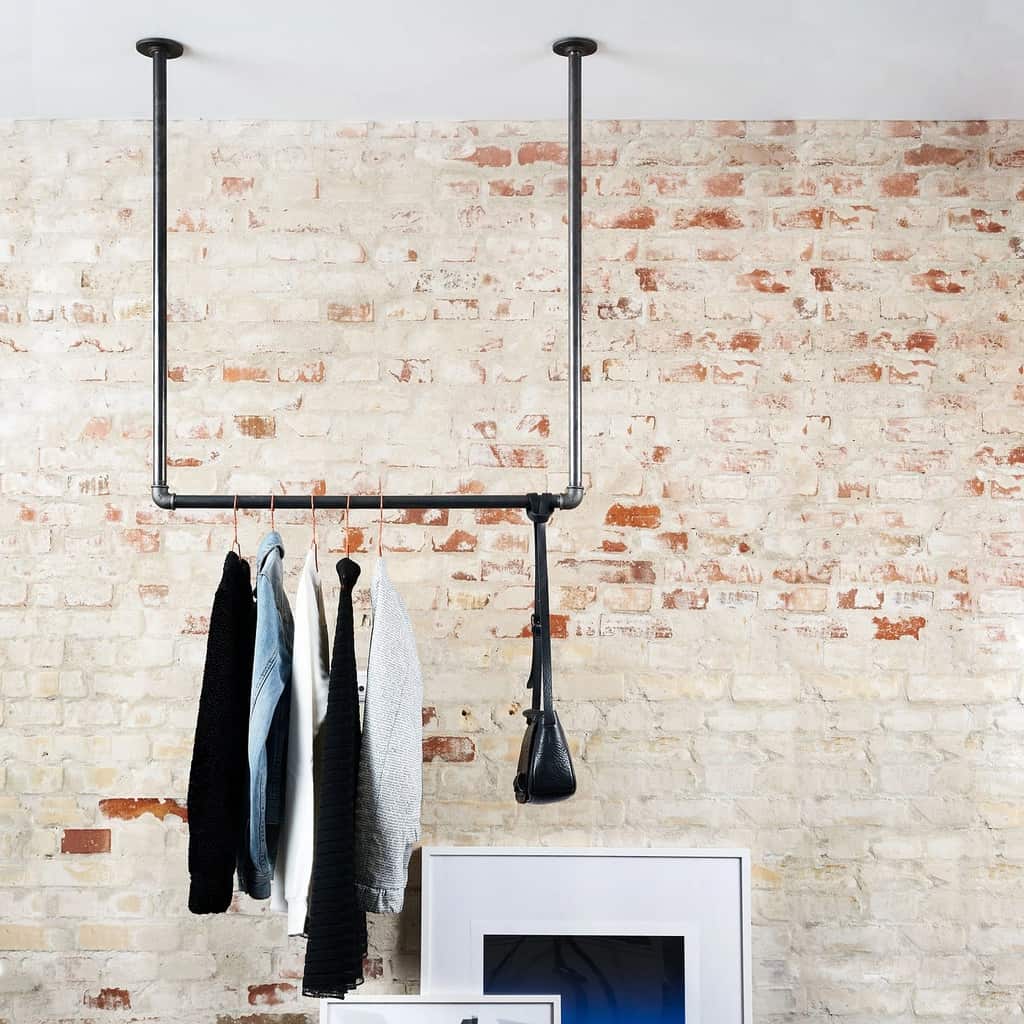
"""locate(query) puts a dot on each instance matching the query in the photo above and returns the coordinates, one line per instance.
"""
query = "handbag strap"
(540, 668)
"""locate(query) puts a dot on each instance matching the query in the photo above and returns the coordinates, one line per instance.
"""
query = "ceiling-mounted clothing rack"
(542, 504)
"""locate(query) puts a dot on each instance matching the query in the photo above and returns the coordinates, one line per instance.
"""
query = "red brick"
(692, 600)
(97, 429)
(920, 341)
(511, 456)
(644, 516)
(727, 129)
(824, 278)
(489, 156)
(306, 373)
(709, 218)
(256, 426)
(456, 309)
(557, 623)
(980, 220)
(494, 516)
(899, 185)
(273, 994)
(724, 185)
(535, 424)
(928, 155)
(422, 516)
(85, 840)
(854, 490)
(557, 153)
(762, 281)
(857, 598)
(675, 541)
(868, 374)
(1008, 158)
(748, 341)
(937, 281)
(143, 541)
(894, 630)
(623, 309)
(812, 217)
(429, 716)
(506, 187)
(129, 808)
(108, 999)
(453, 749)
(458, 540)
(196, 625)
(343, 313)
(689, 374)
(236, 374)
(614, 571)
(414, 371)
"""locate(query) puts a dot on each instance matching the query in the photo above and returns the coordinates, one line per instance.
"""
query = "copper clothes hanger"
(348, 543)
(312, 543)
(236, 547)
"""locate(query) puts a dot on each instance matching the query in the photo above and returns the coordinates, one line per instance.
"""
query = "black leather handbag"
(545, 773)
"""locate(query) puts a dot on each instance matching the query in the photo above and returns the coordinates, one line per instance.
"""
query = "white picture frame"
(703, 895)
(450, 1009)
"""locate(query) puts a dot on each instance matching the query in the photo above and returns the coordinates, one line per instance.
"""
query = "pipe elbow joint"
(163, 496)
(572, 497)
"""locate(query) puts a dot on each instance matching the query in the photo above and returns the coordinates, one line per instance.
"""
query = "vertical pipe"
(159, 269)
(575, 49)
(160, 51)
(575, 271)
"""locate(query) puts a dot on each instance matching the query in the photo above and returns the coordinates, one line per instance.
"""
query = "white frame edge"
(742, 856)
(554, 1001)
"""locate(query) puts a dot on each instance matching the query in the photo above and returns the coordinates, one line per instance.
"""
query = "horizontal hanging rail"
(163, 50)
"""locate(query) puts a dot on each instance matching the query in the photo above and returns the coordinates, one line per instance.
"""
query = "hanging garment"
(289, 891)
(391, 765)
(218, 798)
(269, 711)
(337, 924)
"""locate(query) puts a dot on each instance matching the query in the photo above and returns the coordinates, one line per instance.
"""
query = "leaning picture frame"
(452, 1009)
(698, 898)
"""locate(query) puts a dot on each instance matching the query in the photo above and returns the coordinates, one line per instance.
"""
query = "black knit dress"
(336, 927)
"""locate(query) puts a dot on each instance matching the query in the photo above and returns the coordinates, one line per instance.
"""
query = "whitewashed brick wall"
(789, 613)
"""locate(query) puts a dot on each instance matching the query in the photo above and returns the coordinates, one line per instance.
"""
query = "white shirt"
(310, 682)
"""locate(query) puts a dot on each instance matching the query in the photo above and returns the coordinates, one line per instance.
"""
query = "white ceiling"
(470, 59)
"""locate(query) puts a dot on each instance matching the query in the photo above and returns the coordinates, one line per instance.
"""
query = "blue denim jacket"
(269, 707)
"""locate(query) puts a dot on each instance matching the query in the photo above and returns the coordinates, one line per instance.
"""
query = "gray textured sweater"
(391, 762)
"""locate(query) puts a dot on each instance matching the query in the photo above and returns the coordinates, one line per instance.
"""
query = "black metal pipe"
(575, 49)
(575, 272)
(160, 267)
(354, 501)
(162, 50)
(159, 51)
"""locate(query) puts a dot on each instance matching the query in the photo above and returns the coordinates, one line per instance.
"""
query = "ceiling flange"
(170, 48)
(575, 44)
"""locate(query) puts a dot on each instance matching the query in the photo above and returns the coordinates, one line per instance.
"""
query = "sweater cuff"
(254, 882)
(210, 895)
(379, 900)
(297, 911)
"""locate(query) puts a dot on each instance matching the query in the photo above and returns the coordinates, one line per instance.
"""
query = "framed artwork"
(465, 1009)
(623, 936)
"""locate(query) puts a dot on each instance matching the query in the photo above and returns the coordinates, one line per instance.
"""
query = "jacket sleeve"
(211, 845)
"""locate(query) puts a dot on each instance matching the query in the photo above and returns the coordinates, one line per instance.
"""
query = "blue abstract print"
(602, 979)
